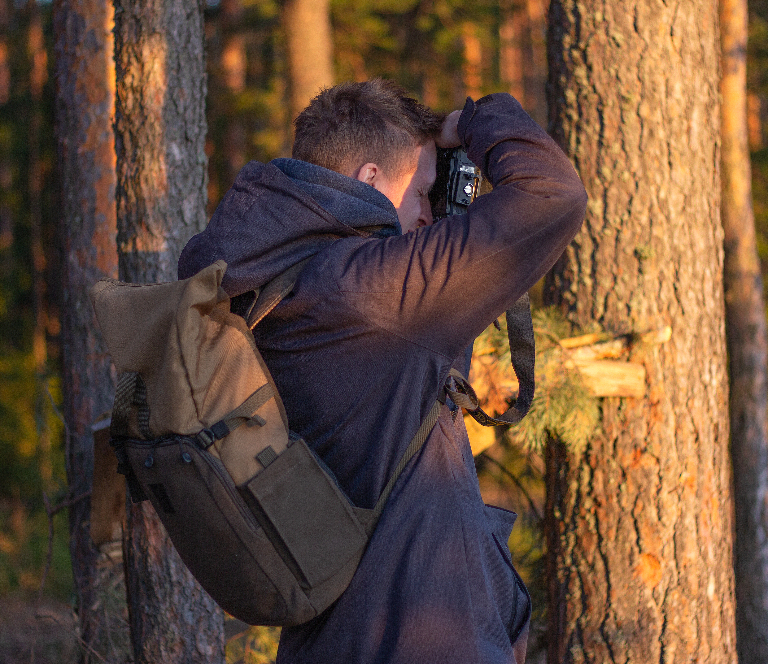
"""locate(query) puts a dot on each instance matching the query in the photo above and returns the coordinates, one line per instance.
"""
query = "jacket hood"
(280, 213)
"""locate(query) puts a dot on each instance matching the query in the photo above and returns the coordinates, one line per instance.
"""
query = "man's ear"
(368, 173)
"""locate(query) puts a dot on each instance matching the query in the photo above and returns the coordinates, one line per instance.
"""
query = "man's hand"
(449, 134)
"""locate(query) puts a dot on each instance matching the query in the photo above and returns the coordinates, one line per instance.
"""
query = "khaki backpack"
(200, 430)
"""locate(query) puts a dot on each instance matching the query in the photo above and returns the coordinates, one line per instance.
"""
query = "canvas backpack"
(200, 430)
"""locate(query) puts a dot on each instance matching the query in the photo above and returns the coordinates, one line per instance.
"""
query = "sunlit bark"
(86, 158)
(310, 49)
(161, 196)
(638, 524)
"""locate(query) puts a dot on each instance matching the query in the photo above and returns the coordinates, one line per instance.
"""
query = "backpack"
(200, 430)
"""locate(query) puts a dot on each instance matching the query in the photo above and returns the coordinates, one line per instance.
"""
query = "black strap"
(245, 412)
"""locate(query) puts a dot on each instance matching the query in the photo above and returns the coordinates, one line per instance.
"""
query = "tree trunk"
(38, 75)
(747, 344)
(536, 69)
(310, 50)
(84, 109)
(472, 67)
(161, 195)
(639, 522)
(234, 67)
(514, 24)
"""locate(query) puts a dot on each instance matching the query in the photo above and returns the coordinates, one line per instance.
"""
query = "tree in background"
(522, 54)
(310, 50)
(30, 431)
(639, 520)
(161, 197)
(84, 112)
(247, 109)
(747, 345)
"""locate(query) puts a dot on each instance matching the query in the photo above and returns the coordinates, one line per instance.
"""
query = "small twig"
(523, 490)
(51, 511)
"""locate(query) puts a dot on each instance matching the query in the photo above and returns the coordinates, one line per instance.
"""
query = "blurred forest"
(440, 50)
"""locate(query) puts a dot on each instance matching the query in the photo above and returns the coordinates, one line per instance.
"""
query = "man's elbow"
(575, 202)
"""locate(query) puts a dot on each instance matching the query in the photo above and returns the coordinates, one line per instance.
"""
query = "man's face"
(409, 192)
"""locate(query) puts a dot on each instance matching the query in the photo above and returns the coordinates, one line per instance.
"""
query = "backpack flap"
(197, 363)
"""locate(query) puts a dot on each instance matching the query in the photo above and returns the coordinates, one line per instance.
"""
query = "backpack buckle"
(205, 439)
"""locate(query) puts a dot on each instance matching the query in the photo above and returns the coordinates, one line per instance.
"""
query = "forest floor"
(36, 631)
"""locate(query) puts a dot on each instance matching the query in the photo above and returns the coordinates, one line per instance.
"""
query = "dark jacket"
(359, 352)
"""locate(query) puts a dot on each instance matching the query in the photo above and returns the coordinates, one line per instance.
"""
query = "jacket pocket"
(500, 521)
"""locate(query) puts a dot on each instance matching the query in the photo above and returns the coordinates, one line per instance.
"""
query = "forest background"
(441, 50)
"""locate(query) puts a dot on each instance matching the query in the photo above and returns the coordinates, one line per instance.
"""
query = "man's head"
(374, 132)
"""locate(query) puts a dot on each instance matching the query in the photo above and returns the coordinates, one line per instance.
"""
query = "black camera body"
(457, 183)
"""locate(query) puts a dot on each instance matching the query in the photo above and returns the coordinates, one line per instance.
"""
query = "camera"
(457, 183)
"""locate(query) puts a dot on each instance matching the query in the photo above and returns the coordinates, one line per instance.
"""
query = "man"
(361, 348)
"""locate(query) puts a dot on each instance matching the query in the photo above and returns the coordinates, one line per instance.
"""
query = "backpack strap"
(273, 292)
(416, 444)
(245, 412)
(522, 350)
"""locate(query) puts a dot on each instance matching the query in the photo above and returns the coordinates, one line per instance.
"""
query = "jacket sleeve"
(441, 285)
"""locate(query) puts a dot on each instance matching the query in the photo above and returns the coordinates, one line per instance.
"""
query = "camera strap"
(522, 351)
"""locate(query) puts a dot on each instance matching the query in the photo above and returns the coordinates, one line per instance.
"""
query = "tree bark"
(747, 344)
(84, 109)
(310, 50)
(638, 523)
(161, 196)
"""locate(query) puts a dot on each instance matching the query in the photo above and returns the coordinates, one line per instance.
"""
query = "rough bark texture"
(747, 345)
(160, 134)
(84, 107)
(310, 49)
(161, 195)
(639, 523)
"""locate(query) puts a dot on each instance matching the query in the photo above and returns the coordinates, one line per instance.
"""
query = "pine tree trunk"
(310, 49)
(747, 344)
(514, 24)
(234, 67)
(84, 108)
(472, 67)
(38, 75)
(161, 195)
(639, 522)
(536, 68)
